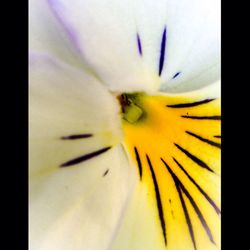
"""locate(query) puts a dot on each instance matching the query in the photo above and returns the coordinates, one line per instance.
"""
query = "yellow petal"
(176, 147)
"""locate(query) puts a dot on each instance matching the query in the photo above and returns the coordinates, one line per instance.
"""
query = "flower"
(124, 137)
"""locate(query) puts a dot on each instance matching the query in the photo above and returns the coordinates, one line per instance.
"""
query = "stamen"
(132, 112)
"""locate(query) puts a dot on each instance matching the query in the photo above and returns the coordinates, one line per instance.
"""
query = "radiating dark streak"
(215, 144)
(84, 157)
(139, 44)
(217, 136)
(191, 104)
(194, 158)
(216, 117)
(197, 210)
(217, 210)
(158, 199)
(138, 162)
(75, 137)
(105, 173)
(162, 55)
(176, 75)
(190, 227)
(189, 223)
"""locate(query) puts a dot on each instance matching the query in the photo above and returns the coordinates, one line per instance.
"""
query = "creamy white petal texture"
(47, 35)
(107, 36)
(77, 205)
(142, 44)
(213, 90)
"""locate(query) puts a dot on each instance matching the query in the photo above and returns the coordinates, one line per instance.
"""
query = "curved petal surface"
(175, 149)
(79, 180)
(46, 35)
(145, 45)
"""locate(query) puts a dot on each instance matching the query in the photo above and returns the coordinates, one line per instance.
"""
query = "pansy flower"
(124, 111)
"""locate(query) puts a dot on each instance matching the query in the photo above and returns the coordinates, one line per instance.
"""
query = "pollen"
(132, 109)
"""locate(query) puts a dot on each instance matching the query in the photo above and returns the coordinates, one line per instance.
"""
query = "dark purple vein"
(193, 203)
(217, 210)
(163, 47)
(212, 143)
(175, 75)
(194, 158)
(75, 137)
(158, 199)
(84, 157)
(190, 104)
(215, 117)
(139, 44)
(138, 162)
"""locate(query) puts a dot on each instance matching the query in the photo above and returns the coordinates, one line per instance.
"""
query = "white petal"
(213, 90)
(46, 35)
(65, 102)
(107, 36)
(192, 45)
(139, 230)
(79, 206)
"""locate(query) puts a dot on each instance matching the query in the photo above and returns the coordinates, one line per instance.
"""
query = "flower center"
(131, 107)
(174, 142)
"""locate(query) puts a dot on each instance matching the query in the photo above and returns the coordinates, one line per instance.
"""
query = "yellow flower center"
(175, 143)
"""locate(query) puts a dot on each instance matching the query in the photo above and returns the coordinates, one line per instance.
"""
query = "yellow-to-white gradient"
(176, 205)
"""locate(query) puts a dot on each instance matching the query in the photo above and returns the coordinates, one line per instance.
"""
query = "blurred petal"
(80, 207)
(79, 180)
(66, 102)
(46, 35)
(176, 151)
(137, 45)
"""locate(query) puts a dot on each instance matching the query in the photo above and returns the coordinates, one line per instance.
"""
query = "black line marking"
(139, 44)
(158, 199)
(215, 144)
(194, 205)
(172, 212)
(215, 117)
(138, 162)
(198, 212)
(105, 173)
(175, 75)
(188, 220)
(194, 158)
(184, 207)
(217, 136)
(217, 210)
(75, 137)
(188, 105)
(84, 157)
(162, 55)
